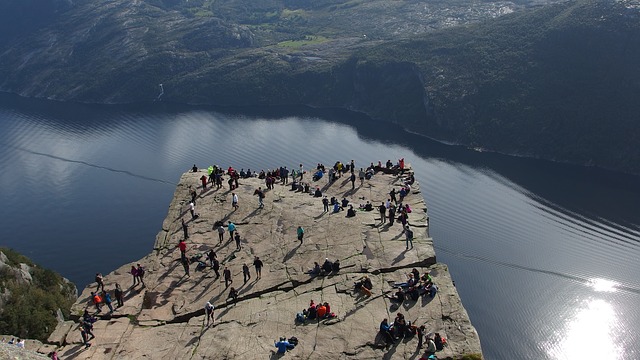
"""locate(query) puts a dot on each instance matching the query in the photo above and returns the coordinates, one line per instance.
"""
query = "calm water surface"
(545, 256)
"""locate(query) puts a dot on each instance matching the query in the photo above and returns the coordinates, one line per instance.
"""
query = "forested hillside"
(559, 81)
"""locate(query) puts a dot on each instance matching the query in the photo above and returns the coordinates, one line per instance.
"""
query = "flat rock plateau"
(165, 318)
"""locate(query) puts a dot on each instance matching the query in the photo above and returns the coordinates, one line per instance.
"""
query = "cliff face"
(32, 299)
(165, 318)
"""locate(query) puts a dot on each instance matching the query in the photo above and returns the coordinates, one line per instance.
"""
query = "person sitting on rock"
(329, 314)
(399, 296)
(315, 270)
(364, 285)
(416, 273)
(431, 347)
(351, 212)
(344, 202)
(335, 267)
(317, 193)
(439, 341)
(312, 312)
(386, 331)
(321, 311)
(282, 345)
(413, 293)
(327, 266)
(400, 325)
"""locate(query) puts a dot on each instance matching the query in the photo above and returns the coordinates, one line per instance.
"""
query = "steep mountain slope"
(559, 81)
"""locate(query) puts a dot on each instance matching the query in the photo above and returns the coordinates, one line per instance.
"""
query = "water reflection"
(591, 333)
(603, 285)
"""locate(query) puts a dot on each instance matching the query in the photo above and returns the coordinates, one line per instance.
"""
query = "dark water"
(544, 255)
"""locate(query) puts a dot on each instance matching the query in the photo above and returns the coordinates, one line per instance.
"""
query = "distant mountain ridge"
(560, 81)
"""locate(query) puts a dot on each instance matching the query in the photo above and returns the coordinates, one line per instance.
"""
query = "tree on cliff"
(30, 297)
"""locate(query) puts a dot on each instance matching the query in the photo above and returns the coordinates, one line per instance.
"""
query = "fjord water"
(544, 255)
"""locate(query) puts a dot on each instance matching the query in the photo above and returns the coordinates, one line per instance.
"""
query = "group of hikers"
(102, 297)
(390, 210)
(402, 329)
(315, 312)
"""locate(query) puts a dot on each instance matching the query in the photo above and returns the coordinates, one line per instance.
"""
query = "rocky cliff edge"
(165, 318)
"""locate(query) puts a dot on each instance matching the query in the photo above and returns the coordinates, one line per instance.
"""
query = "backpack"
(293, 340)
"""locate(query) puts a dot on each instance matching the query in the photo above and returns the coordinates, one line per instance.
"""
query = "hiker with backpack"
(141, 271)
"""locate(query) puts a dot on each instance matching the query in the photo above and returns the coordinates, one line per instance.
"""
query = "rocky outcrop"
(165, 318)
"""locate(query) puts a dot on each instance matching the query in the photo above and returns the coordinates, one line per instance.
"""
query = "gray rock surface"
(165, 318)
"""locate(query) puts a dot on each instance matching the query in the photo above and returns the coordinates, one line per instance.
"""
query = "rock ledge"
(165, 319)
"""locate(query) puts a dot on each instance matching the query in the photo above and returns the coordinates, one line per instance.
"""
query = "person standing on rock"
(119, 295)
(182, 245)
(193, 194)
(245, 272)
(227, 277)
(107, 300)
(232, 228)
(409, 236)
(141, 272)
(237, 239)
(300, 232)
(392, 195)
(211, 255)
(192, 210)
(185, 229)
(234, 201)
(257, 263)
(95, 298)
(85, 337)
(185, 264)
(134, 273)
(233, 294)
(100, 282)
(301, 172)
(208, 311)
(325, 204)
(220, 228)
(392, 214)
(260, 194)
(203, 179)
(361, 176)
(383, 212)
(352, 178)
(216, 267)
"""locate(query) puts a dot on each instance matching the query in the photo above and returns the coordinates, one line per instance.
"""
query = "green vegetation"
(557, 81)
(30, 309)
(306, 41)
(471, 357)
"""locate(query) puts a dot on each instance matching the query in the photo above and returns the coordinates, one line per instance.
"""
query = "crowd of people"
(391, 210)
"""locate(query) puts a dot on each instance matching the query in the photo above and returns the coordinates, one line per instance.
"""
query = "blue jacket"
(282, 346)
(384, 327)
